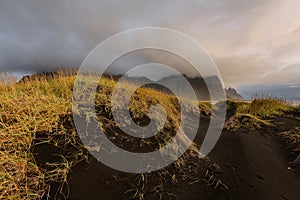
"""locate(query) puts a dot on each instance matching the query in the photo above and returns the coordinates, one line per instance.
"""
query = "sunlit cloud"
(251, 41)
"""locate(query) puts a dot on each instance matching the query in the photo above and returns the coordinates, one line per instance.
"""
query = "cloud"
(249, 40)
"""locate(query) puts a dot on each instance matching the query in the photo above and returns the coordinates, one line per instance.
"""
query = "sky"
(255, 43)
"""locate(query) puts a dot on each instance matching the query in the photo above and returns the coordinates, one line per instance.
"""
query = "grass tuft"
(291, 139)
(245, 121)
(265, 107)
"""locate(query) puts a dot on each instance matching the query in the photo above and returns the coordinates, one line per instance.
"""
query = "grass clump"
(291, 139)
(245, 121)
(257, 113)
(27, 109)
(265, 107)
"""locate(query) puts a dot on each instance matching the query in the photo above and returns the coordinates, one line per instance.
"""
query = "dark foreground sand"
(253, 165)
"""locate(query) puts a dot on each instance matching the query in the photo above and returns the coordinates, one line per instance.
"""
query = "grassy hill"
(38, 113)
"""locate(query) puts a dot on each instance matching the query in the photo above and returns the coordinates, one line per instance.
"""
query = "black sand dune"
(255, 165)
(252, 164)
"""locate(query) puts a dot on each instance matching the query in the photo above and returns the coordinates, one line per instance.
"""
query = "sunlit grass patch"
(257, 113)
(245, 121)
(27, 108)
(265, 107)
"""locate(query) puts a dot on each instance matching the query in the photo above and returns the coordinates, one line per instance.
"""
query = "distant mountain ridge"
(199, 85)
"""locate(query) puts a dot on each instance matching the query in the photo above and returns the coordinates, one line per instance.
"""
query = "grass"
(291, 138)
(26, 109)
(7, 78)
(245, 121)
(266, 107)
(39, 111)
(257, 113)
(35, 112)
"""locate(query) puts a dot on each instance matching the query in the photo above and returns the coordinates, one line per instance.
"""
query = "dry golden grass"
(36, 106)
(245, 121)
(257, 113)
(265, 107)
(7, 78)
(291, 140)
(25, 109)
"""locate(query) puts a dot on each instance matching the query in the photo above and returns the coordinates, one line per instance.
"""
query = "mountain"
(232, 94)
(199, 85)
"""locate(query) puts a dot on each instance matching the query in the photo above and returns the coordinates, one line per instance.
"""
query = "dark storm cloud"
(249, 40)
